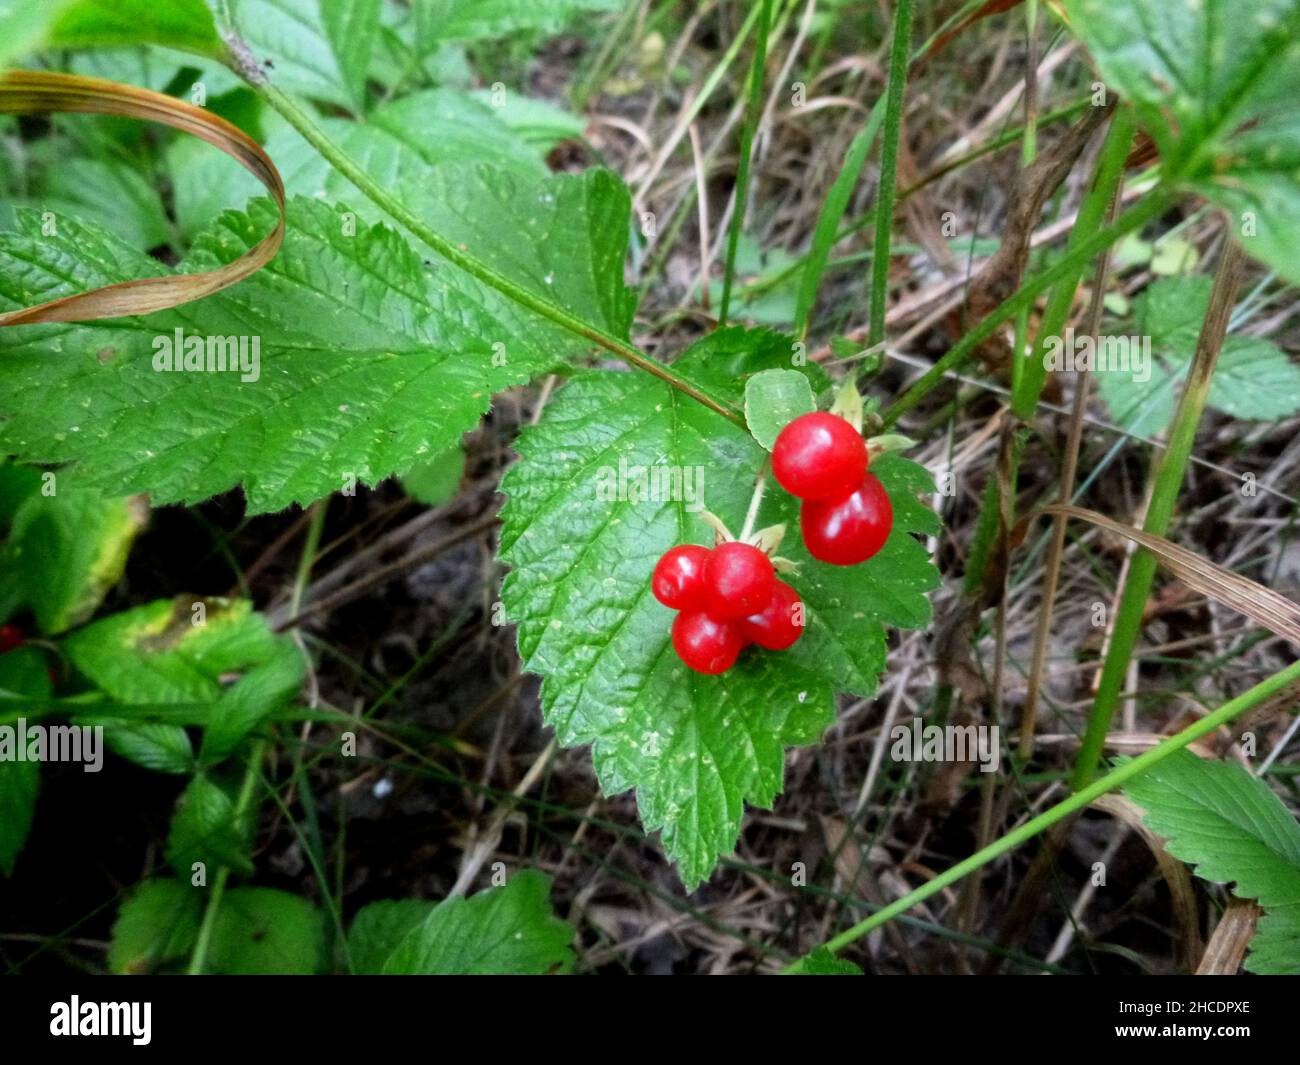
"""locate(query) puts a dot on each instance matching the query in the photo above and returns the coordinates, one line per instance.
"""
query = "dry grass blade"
(38, 92)
(942, 39)
(1262, 605)
(1181, 894)
(1227, 947)
(1004, 272)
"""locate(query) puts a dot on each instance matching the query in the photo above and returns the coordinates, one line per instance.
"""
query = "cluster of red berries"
(730, 597)
(846, 516)
(727, 598)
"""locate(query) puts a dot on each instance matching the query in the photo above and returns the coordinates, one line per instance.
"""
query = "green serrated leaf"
(164, 748)
(106, 192)
(773, 399)
(1231, 828)
(619, 470)
(26, 25)
(264, 932)
(436, 480)
(22, 672)
(1253, 378)
(206, 831)
(483, 20)
(159, 923)
(565, 238)
(505, 931)
(261, 691)
(404, 142)
(821, 962)
(379, 928)
(66, 551)
(157, 654)
(538, 123)
(205, 182)
(1215, 84)
(370, 357)
(320, 48)
(166, 651)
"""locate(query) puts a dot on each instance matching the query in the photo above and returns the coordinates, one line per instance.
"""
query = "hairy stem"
(312, 133)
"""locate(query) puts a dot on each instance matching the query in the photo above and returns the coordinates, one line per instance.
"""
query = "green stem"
(1145, 210)
(1078, 801)
(1167, 473)
(242, 803)
(889, 171)
(825, 234)
(312, 133)
(1091, 217)
(754, 110)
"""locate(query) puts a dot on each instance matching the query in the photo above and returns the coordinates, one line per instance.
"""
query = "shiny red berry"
(678, 580)
(705, 643)
(738, 579)
(779, 624)
(849, 530)
(10, 637)
(819, 456)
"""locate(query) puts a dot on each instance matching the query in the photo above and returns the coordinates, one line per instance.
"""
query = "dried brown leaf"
(24, 92)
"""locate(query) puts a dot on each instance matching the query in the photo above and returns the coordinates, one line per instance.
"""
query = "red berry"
(10, 637)
(706, 643)
(779, 624)
(739, 579)
(849, 530)
(678, 580)
(819, 456)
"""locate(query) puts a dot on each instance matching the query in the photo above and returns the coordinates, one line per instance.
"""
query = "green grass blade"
(826, 233)
(889, 170)
(753, 111)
